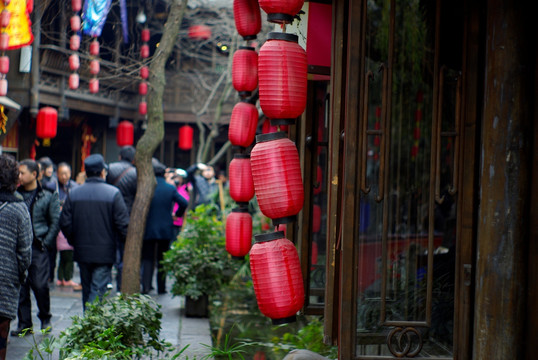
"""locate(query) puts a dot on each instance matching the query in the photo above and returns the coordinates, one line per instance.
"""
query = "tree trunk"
(146, 147)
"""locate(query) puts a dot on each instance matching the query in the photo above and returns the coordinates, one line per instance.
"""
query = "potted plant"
(197, 261)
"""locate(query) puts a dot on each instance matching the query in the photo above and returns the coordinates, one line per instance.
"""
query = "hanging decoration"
(277, 277)
(316, 218)
(74, 44)
(143, 86)
(282, 69)
(245, 71)
(124, 21)
(247, 18)
(276, 172)
(16, 24)
(199, 32)
(87, 140)
(243, 124)
(185, 135)
(94, 16)
(239, 232)
(125, 133)
(240, 179)
(47, 122)
(281, 11)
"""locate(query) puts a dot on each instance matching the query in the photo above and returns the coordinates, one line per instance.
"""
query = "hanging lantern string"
(143, 85)
(5, 17)
(74, 44)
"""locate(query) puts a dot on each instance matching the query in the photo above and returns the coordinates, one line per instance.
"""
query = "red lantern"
(186, 133)
(143, 88)
(76, 5)
(94, 85)
(243, 123)
(94, 47)
(281, 11)
(144, 51)
(199, 32)
(238, 232)
(74, 62)
(144, 72)
(240, 182)
(74, 42)
(47, 122)
(267, 127)
(282, 72)
(75, 23)
(73, 81)
(4, 41)
(316, 218)
(143, 108)
(145, 35)
(245, 70)
(95, 67)
(5, 16)
(4, 64)
(3, 87)
(276, 172)
(276, 277)
(125, 133)
(247, 17)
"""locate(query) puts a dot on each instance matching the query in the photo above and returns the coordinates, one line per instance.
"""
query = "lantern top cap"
(269, 237)
(241, 156)
(283, 36)
(240, 209)
(270, 136)
(250, 48)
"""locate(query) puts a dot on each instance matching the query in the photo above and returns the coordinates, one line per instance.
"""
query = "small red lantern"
(125, 133)
(94, 47)
(239, 233)
(76, 5)
(281, 11)
(95, 67)
(143, 88)
(4, 41)
(144, 51)
(47, 122)
(243, 123)
(94, 85)
(74, 62)
(276, 277)
(276, 172)
(199, 32)
(282, 72)
(240, 182)
(145, 35)
(5, 16)
(4, 64)
(73, 81)
(316, 218)
(143, 108)
(75, 23)
(185, 135)
(144, 72)
(3, 87)
(247, 17)
(245, 70)
(74, 42)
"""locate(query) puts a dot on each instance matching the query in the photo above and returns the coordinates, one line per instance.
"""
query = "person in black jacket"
(159, 228)
(93, 215)
(44, 208)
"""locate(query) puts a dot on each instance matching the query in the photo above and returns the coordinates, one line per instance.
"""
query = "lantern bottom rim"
(284, 220)
(286, 320)
(238, 257)
(283, 121)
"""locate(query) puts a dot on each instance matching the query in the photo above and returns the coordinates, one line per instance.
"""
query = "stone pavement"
(65, 303)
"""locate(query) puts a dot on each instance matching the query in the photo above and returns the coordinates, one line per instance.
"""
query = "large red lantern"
(240, 181)
(47, 122)
(276, 172)
(247, 17)
(185, 135)
(281, 11)
(125, 133)
(238, 232)
(277, 277)
(199, 32)
(243, 123)
(245, 70)
(282, 78)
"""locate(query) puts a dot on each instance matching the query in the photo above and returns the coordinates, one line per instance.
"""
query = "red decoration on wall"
(247, 18)
(277, 277)
(144, 72)
(47, 122)
(240, 179)
(143, 108)
(125, 133)
(281, 11)
(199, 32)
(245, 71)
(238, 233)
(276, 172)
(243, 123)
(185, 135)
(282, 72)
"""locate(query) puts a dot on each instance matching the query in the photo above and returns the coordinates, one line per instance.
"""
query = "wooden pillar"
(503, 217)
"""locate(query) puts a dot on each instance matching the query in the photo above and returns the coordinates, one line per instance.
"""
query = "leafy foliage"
(197, 260)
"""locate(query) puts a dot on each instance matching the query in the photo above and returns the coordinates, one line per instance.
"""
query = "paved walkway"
(65, 303)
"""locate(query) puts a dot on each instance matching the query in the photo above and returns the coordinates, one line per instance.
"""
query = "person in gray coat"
(15, 245)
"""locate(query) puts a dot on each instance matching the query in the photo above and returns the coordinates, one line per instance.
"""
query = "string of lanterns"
(5, 17)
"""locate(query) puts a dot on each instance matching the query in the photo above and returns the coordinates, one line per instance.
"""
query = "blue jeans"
(94, 279)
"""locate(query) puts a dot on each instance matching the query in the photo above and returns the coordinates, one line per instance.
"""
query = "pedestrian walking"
(93, 215)
(159, 228)
(204, 185)
(44, 209)
(15, 246)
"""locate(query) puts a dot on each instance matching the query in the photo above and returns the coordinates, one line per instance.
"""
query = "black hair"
(63, 163)
(9, 173)
(127, 153)
(45, 162)
(31, 165)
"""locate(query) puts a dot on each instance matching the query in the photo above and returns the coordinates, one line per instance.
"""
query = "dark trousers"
(153, 250)
(94, 279)
(38, 275)
(120, 247)
(65, 266)
(4, 330)
(52, 263)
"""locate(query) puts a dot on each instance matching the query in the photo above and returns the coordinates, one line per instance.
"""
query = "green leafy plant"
(197, 261)
(227, 350)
